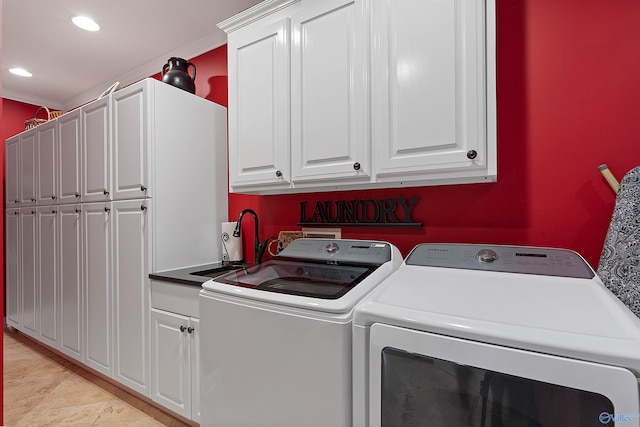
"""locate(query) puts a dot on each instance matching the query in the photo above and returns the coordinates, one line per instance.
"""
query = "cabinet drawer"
(176, 298)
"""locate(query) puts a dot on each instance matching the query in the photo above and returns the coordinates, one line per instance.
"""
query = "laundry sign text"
(371, 212)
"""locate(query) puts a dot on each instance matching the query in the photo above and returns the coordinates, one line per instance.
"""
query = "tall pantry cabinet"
(129, 184)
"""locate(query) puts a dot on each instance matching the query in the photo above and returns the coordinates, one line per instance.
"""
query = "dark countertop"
(186, 276)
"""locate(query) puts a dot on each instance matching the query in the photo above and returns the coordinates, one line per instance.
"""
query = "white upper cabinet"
(130, 130)
(259, 129)
(28, 168)
(69, 158)
(384, 93)
(47, 148)
(96, 151)
(13, 181)
(329, 96)
(429, 100)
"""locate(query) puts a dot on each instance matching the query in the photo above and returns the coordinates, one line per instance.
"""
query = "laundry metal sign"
(395, 212)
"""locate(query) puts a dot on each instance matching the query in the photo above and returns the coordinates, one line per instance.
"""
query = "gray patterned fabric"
(619, 266)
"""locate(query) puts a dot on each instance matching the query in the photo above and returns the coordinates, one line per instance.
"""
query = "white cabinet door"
(259, 97)
(28, 168)
(329, 94)
(170, 362)
(130, 130)
(428, 88)
(131, 293)
(13, 284)
(98, 302)
(96, 151)
(195, 369)
(46, 151)
(70, 255)
(69, 158)
(28, 263)
(47, 275)
(12, 183)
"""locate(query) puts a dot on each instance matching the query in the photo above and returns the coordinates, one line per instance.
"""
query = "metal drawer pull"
(53, 211)
(106, 209)
(143, 208)
(53, 197)
(356, 166)
(143, 188)
(77, 195)
(190, 329)
(78, 210)
(33, 199)
(279, 174)
(106, 193)
(183, 328)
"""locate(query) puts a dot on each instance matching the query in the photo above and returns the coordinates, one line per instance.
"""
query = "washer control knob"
(331, 248)
(487, 255)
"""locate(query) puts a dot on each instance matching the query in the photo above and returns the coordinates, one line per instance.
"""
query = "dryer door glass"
(418, 390)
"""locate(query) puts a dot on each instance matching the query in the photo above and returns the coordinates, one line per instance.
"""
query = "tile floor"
(44, 389)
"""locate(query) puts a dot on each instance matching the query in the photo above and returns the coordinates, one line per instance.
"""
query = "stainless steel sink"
(218, 271)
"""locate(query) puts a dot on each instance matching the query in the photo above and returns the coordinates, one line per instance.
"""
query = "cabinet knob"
(143, 188)
(106, 209)
(53, 197)
(33, 212)
(16, 213)
(77, 195)
(190, 329)
(16, 201)
(53, 211)
(78, 210)
(472, 154)
(279, 174)
(106, 193)
(143, 208)
(183, 328)
(33, 199)
(356, 166)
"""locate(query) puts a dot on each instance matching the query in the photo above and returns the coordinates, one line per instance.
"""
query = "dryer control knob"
(331, 248)
(487, 255)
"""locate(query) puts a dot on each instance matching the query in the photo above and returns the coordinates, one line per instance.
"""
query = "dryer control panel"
(508, 259)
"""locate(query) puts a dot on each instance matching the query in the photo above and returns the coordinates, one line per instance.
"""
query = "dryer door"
(430, 379)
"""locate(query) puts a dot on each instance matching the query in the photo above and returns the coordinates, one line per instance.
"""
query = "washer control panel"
(508, 259)
(355, 251)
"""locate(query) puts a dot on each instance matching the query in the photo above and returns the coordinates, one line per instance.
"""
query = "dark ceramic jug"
(175, 72)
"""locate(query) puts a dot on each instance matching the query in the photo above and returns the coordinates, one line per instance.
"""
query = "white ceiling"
(71, 66)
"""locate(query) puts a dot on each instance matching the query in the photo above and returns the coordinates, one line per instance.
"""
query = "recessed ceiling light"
(20, 72)
(85, 23)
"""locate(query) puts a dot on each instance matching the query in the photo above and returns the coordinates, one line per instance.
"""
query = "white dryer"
(276, 337)
(480, 335)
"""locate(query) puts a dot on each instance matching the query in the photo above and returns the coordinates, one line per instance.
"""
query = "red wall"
(568, 100)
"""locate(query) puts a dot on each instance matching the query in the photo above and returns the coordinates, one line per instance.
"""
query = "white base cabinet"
(98, 300)
(97, 199)
(70, 251)
(175, 344)
(383, 93)
(131, 292)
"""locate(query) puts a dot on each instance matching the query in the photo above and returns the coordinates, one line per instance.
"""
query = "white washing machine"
(473, 335)
(276, 337)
